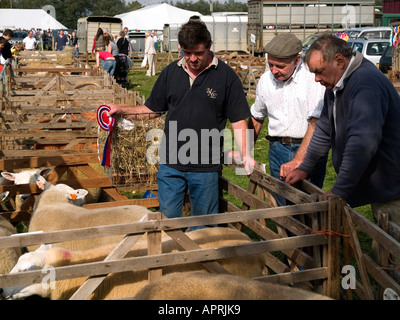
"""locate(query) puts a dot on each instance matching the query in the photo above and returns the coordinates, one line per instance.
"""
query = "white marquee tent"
(28, 19)
(154, 17)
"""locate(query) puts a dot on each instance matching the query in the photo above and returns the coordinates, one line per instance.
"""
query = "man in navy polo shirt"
(198, 93)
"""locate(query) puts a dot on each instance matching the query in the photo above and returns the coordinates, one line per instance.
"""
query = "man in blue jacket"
(360, 121)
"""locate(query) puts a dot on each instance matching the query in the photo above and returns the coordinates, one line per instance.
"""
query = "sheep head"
(28, 262)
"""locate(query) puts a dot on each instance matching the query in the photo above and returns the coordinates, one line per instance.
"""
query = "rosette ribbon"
(107, 124)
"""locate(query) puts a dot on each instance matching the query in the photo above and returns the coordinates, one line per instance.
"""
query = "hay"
(130, 164)
(65, 57)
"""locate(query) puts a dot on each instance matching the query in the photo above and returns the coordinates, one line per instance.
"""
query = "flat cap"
(284, 46)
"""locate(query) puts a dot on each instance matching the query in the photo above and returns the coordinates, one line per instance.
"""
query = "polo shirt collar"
(182, 63)
(214, 62)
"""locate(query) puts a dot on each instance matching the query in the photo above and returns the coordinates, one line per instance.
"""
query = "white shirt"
(337, 87)
(149, 46)
(29, 43)
(289, 104)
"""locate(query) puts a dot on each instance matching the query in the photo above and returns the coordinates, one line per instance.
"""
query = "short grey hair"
(330, 46)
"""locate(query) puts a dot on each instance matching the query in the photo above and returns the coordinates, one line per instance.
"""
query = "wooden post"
(383, 222)
(154, 246)
(366, 286)
(332, 251)
(316, 225)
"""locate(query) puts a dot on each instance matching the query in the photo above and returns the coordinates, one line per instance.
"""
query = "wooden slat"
(154, 246)
(168, 259)
(47, 161)
(28, 239)
(296, 277)
(384, 239)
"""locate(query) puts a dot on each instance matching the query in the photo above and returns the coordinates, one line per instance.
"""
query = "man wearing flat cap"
(289, 97)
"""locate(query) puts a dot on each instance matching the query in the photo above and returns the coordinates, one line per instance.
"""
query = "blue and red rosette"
(106, 123)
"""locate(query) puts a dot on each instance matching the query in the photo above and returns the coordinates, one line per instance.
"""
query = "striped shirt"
(289, 104)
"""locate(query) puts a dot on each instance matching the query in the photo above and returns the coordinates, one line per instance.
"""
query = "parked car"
(385, 62)
(18, 36)
(307, 42)
(369, 33)
(371, 49)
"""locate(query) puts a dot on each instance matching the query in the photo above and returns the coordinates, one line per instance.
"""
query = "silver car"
(372, 49)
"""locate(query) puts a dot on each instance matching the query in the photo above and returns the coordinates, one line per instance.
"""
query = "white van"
(372, 49)
(369, 33)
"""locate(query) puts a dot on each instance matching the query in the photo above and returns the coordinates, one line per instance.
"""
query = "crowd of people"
(106, 46)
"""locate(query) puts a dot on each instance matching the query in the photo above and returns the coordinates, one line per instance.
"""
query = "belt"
(285, 140)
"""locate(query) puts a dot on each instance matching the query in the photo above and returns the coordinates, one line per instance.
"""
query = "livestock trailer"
(88, 26)
(137, 40)
(228, 33)
(267, 18)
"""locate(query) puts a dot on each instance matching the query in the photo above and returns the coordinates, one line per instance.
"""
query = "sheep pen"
(124, 284)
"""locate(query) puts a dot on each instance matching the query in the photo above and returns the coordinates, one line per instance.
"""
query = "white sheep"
(24, 177)
(8, 256)
(124, 284)
(208, 286)
(92, 195)
(75, 196)
(54, 211)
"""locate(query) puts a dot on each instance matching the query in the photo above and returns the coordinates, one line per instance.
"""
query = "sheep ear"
(44, 172)
(8, 175)
(4, 195)
(44, 247)
(81, 193)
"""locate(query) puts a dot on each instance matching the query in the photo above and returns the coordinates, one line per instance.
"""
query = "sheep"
(24, 177)
(208, 286)
(75, 196)
(128, 283)
(53, 211)
(8, 256)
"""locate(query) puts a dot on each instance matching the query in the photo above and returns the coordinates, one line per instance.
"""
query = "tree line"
(69, 11)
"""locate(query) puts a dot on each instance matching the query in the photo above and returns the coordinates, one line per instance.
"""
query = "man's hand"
(114, 109)
(295, 176)
(288, 167)
(249, 164)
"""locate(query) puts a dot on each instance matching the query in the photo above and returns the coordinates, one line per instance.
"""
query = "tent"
(154, 17)
(28, 19)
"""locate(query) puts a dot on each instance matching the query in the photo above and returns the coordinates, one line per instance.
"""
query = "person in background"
(73, 42)
(98, 41)
(155, 39)
(123, 43)
(198, 92)
(150, 52)
(6, 51)
(107, 60)
(3, 62)
(60, 41)
(111, 46)
(30, 43)
(292, 101)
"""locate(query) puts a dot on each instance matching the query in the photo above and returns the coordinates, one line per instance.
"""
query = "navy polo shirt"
(196, 115)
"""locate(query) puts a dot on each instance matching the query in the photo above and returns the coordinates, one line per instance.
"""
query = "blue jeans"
(172, 186)
(109, 66)
(280, 153)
